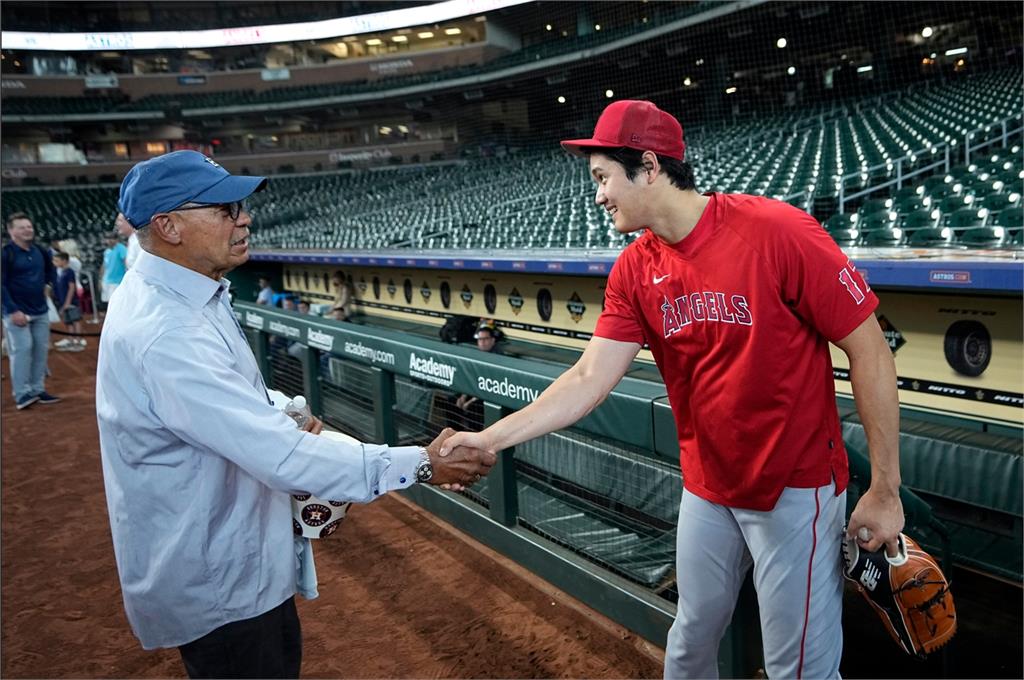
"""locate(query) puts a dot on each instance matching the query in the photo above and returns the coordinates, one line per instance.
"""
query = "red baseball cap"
(635, 124)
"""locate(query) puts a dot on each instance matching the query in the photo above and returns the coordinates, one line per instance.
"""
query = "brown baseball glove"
(909, 592)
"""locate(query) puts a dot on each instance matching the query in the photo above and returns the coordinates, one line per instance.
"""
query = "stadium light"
(373, 42)
(865, 69)
(780, 43)
(687, 82)
(926, 32)
(425, 35)
(730, 90)
(956, 50)
(561, 99)
(597, 27)
(791, 70)
(376, 22)
(399, 38)
(609, 94)
(547, 26)
(452, 31)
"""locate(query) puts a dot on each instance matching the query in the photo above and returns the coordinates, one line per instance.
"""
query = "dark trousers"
(267, 646)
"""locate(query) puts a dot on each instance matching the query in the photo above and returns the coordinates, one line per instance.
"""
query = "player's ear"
(651, 167)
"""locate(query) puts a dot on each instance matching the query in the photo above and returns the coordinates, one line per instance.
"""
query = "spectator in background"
(266, 294)
(128, 231)
(65, 297)
(288, 303)
(304, 307)
(338, 313)
(113, 269)
(342, 308)
(27, 270)
(468, 413)
(70, 246)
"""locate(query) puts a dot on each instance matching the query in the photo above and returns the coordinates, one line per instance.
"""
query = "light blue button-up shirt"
(198, 464)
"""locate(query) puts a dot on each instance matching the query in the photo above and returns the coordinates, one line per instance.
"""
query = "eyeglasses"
(233, 210)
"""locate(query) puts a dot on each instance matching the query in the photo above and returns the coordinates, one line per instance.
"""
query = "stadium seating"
(545, 199)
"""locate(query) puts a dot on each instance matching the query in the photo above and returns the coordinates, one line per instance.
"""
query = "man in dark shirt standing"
(27, 269)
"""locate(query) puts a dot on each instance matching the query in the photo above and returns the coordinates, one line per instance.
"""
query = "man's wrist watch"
(424, 471)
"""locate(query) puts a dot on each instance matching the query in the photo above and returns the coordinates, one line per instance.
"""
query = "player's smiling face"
(621, 197)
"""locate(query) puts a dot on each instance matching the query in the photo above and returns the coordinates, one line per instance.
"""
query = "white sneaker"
(66, 342)
(81, 342)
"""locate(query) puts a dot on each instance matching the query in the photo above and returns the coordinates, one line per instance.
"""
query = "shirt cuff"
(401, 473)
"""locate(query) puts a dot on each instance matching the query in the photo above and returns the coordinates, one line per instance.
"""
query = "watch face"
(424, 472)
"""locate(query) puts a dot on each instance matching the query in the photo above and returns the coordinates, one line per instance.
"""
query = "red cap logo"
(635, 124)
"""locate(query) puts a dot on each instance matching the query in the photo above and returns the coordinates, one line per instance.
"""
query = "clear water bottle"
(298, 410)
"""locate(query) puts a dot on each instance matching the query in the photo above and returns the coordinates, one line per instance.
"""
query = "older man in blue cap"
(197, 462)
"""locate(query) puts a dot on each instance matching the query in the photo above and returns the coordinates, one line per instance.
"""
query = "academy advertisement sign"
(431, 370)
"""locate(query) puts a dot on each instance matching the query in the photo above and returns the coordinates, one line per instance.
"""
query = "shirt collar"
(191, 285)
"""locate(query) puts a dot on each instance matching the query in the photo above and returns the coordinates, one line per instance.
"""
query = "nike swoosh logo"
(659, 279)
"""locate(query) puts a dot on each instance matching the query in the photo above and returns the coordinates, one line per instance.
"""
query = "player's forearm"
(873, 378)
(565, 401)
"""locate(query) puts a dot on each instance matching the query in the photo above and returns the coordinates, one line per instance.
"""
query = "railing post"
(383, 386)
(947, 159)
(94, 299)
(501, 480)
(310, 359)
(842, 194)
(967, 149)
(899, 174)
(1004, 133)
(262, 352)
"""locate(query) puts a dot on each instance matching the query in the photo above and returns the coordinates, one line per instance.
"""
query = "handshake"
(459, 467)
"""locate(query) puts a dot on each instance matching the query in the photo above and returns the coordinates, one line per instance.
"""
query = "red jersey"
(738, 316)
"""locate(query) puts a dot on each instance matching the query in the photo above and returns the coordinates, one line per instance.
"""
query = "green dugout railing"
(591, 510)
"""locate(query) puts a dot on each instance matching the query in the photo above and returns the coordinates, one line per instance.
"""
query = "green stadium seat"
(967, 217)
(985, 237)
(841, 221)
(882, 219)
(916, 191)
(933, 237)
(845, 238)
(880, 238)
(1011, 218)
(911, 203)
(997, 202)
(875, 205)
(920, 219)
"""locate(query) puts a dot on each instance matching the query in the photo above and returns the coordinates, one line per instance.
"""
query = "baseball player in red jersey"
(738, 297)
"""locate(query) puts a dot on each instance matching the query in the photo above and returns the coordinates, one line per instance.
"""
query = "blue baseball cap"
(166, 182)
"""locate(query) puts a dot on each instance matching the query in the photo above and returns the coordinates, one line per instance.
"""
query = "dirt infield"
(400, 596)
